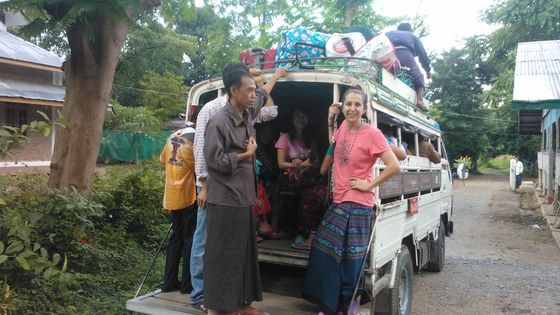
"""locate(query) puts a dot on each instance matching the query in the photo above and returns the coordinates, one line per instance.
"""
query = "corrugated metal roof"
(32, 91)
(15, 48)
(537, 72)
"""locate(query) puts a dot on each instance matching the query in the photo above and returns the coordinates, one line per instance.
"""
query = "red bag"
(269, 58)
(259, 58)
(262, 205)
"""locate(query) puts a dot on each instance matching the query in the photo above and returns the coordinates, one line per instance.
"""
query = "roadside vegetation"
(67, 253)
(499, 163)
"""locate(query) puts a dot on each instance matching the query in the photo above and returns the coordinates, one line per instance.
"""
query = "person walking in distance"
(518, 172)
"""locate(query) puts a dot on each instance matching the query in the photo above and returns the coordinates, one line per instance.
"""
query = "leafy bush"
(76, 254)
(132, 198)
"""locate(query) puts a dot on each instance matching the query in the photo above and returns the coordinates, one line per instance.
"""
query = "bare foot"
(265, 228)
(422, 106)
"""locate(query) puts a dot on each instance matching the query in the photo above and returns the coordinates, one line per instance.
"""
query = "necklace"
(346, 147)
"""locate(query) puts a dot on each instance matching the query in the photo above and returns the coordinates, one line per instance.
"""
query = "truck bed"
(174, 303)
(280, 252)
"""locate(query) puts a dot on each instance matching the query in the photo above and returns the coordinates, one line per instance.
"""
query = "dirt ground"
(496, 263)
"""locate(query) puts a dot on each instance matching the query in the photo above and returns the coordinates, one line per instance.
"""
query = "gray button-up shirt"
(231, 182)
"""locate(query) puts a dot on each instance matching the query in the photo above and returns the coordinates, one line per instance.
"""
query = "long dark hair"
(307, 133)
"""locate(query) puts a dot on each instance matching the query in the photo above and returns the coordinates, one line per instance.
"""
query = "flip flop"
(299, 243)
(249, 310)
(272, 235)
(201, 307)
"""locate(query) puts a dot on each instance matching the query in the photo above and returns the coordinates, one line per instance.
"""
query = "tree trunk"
(351, 8)
(94, 53)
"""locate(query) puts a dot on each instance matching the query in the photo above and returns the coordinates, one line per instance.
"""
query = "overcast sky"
(447, 20)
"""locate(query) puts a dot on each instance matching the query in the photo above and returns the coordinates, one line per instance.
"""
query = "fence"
(131, 147)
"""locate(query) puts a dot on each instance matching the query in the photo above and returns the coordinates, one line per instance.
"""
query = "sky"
(448, 21)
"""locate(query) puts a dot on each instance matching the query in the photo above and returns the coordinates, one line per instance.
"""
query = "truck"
(413, 208)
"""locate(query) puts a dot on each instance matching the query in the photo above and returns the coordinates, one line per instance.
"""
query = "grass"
(499, 163)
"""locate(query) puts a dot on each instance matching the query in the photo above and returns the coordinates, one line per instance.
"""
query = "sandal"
(249, 310)
(259, 238)
(299, 243)
(272, 235)
(200, 307)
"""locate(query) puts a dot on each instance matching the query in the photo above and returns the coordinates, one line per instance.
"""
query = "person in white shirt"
(518, 172)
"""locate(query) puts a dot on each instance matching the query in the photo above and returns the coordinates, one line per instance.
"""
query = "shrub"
(132, 196)
(80, 254)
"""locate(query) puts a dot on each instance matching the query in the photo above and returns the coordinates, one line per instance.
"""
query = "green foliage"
(150, 47)
(217, 43)
(133, 121)
(128, 119)
(456, 97)
(463, 160)
(132, 198)
(520, 21)
(8, 299)
(14, 138)
(97, 245)
(41, 230)
(499, 163)
(164, 94)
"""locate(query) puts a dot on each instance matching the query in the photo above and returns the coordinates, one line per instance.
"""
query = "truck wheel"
(437, 251)
(400, 296)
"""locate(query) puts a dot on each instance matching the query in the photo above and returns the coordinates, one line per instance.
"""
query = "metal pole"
(153, 260)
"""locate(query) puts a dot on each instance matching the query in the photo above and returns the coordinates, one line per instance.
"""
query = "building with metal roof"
(536, 94)
(31, 80)
(15, 50)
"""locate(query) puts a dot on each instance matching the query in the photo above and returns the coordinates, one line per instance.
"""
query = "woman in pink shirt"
(297, 158)
(342, 237)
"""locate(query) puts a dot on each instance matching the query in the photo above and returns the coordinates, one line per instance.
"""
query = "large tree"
(150, 47)
(518, 21)
(456, 104)
(95, 31)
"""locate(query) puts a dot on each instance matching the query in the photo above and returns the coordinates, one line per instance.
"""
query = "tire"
(399, 297)
(437, 251)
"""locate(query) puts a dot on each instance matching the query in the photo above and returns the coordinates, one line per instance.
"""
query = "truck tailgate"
(174, 303)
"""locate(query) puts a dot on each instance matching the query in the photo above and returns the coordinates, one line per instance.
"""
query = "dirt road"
(496, 263)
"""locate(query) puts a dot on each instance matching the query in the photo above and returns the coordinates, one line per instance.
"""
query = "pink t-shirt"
(295, 150)
(354, 156)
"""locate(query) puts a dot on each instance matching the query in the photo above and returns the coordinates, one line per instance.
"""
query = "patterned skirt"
(336, 255)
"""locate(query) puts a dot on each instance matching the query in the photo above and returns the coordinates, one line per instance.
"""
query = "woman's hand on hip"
(360, 184)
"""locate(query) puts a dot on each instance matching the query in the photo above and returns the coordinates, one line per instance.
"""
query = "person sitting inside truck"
(398, 149)
(339, 246)
(409, 46)
(426, 149)
(296, 156)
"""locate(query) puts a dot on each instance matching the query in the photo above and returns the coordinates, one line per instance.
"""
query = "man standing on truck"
(267, 113)
(180, 200)
(231, 270)
(409, 46)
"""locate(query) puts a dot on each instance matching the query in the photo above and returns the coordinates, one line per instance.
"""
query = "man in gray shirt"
(231, 270)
